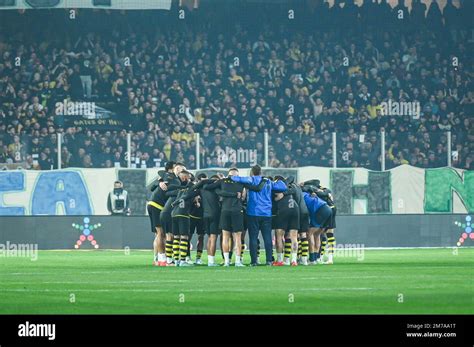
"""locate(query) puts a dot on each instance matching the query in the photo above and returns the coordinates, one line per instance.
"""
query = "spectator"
(299, 81)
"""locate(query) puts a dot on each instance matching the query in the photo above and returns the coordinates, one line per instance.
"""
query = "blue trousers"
(263, 224)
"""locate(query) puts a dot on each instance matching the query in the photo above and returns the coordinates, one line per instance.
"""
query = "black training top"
(228, 189)
(286, 204)
(210, 204)
(295, 190)
(184, 201)
(173, 185)
(325, 194)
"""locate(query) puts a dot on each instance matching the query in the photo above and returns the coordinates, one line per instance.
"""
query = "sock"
(169, 249)
(299, 248)
(304, 247)
(199, 254)
(323, 245)
(161, 257)
(287, 248)
(331, 243)
(188, 252)
(294, 256)
(279, 257)
(242, 249)
(230, 255)
(176, 248)
(316, 255)
(183, 248)
(238, 259)
(211, 259)
(226, 258)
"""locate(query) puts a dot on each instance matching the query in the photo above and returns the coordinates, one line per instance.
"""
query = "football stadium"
(169, 157)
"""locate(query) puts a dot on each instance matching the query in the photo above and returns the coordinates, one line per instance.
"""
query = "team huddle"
(303, 217)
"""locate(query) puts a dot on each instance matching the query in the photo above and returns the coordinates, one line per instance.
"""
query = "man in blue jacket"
(259, 211)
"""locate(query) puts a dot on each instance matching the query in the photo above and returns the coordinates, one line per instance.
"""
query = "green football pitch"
(101, 282)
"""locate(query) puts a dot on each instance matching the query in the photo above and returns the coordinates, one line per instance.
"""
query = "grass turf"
(431, 281)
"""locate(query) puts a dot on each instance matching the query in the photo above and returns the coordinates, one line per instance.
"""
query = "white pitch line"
(106, 282)
(369, 277)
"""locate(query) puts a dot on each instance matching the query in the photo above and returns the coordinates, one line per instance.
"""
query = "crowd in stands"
(299, 71)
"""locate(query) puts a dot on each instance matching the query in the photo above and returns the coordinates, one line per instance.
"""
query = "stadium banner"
(402, 190)
(105, 4)
(94, 115)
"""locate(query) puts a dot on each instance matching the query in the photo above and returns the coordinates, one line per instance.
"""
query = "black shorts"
(166, 222)
(287, 220)
(332, 220)
(321, 218)
(232, 221)
(154, 214)
(196, 225)
(274, 219)
(181, 226)
(304, 223)
(211, 225)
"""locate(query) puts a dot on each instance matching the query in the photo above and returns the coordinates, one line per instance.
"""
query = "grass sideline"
(402, 281)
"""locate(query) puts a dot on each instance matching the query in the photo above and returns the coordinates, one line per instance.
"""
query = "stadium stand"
(231, 77)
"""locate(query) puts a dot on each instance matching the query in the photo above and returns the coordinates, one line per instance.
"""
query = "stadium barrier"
(402, 190)
(264, 148)
(133, 232)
